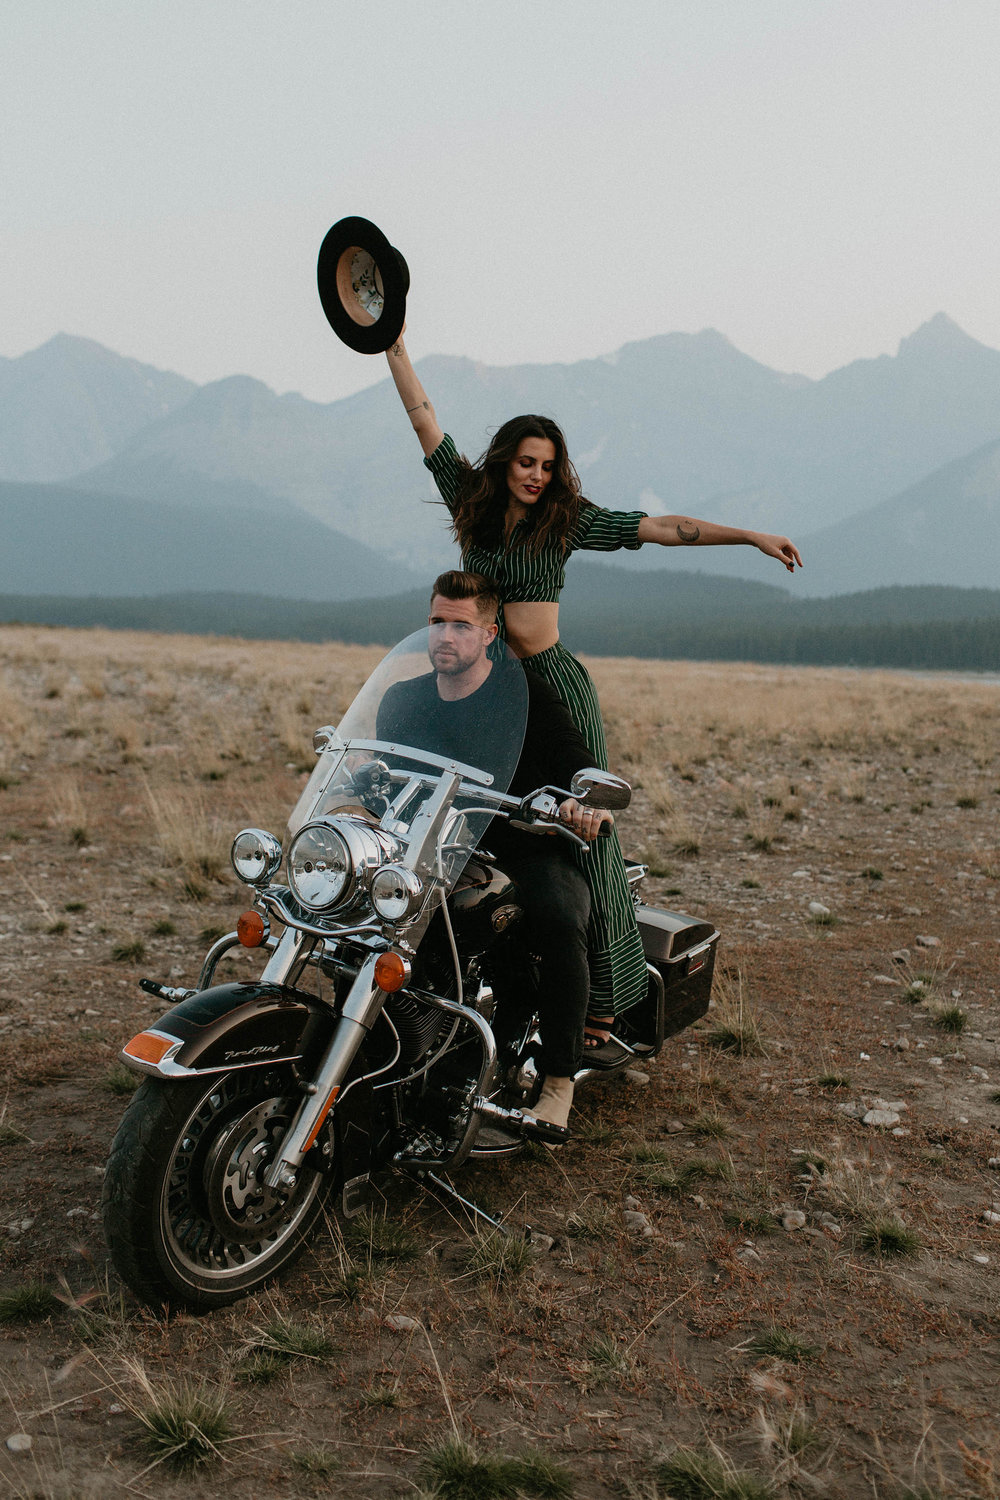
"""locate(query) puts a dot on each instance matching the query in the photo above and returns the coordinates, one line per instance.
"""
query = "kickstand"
(446, 1188)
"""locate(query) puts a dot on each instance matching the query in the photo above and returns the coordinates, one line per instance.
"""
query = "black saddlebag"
(682, 951)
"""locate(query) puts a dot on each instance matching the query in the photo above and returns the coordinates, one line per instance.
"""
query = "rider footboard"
(682, 950)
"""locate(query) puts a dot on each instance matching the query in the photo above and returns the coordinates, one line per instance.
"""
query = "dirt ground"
(815, 1295)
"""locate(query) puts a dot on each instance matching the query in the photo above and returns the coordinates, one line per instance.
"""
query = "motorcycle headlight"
(319, 866)
(255, 856)
(397, 893)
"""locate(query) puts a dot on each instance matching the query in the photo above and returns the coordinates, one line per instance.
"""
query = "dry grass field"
(811, 1307)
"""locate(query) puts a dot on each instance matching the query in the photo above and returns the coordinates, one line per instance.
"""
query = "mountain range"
(120, 479)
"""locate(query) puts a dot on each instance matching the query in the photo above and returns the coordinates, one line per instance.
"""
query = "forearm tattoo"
(396, 349)
(689, 536)
(425, 404)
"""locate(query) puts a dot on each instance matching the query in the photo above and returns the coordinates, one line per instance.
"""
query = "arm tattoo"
(689, 536)
(397, 350)
(425, 404)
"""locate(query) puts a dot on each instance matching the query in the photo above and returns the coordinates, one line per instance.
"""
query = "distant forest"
(691, 617)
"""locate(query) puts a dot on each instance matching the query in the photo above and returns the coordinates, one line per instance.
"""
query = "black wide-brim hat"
(363, 282)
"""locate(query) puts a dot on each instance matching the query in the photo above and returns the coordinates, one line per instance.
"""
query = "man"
(457, 708)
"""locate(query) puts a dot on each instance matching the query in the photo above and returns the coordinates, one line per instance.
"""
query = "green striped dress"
(617, 962)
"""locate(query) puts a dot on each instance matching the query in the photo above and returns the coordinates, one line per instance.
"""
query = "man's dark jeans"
(556, 902)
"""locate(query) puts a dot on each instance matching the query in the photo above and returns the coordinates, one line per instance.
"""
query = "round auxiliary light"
(397, 893)
(255, 856)
(319, 866)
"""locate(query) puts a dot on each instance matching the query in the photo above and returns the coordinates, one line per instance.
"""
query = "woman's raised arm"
(413, 396)
(685, 531)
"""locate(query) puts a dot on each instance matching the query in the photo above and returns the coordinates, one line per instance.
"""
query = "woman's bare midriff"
(531, 628)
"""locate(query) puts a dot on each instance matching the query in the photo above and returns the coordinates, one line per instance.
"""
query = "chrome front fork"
(361, 1008)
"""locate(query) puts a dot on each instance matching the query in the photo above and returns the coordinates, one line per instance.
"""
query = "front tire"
(187, 1217)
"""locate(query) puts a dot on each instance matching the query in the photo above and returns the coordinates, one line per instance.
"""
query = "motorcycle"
(383, 1031)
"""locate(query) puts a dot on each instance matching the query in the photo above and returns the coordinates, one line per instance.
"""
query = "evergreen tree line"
(943, 645)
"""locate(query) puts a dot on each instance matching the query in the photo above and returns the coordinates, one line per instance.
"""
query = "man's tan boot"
(554, 1102)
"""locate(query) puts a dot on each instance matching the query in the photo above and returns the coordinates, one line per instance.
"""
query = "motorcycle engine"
(416, 1023)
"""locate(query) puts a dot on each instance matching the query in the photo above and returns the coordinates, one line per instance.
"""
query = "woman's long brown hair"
(482, 502)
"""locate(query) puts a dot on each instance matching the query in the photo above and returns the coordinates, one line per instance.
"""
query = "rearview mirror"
(600, 789)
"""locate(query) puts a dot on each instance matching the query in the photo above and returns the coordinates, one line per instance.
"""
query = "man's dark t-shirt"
(471, 729)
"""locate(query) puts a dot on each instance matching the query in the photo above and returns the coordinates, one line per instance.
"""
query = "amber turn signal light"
(148, 1047)
(251, 929)
(391, 972)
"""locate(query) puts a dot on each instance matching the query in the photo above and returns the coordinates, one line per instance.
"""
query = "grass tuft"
(500, 1258)
(886, 1235)
(833, 1081)
(951, 1018)
(707, 1474)
(119, 1081)
(317, 1461)
(593, 1221)
(30, 1303)
(287, 1340)
(381, 1239)
(129, 953)
(736, 1027)
(608, 1363)
(459, 1471)
(184, 1423)
(777, 1343)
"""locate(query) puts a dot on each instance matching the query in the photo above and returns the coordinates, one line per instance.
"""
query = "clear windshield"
(412, 726)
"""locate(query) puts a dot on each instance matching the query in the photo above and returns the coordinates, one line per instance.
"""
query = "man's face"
(459, 635)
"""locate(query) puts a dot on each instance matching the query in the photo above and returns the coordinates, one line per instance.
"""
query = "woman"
(517, 515)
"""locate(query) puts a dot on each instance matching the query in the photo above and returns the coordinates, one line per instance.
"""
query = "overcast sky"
(814, 178)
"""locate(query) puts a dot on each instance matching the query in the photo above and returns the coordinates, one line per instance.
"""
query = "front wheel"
(187, 1217)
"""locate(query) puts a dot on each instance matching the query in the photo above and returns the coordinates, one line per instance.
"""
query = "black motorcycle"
(382, 1032)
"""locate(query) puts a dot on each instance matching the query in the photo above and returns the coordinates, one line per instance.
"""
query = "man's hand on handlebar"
(587, 822)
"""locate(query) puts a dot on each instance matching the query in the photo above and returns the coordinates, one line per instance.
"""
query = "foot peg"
(544, 1130)
(516, 1123)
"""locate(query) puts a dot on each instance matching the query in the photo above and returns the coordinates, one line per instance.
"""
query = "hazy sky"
(812, 177)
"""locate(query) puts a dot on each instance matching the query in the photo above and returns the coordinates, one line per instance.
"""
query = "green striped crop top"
(525, 577)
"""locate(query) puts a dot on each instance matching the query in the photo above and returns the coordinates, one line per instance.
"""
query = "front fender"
(230, 1026)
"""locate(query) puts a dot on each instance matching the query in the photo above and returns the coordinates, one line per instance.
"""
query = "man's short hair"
(460, 585)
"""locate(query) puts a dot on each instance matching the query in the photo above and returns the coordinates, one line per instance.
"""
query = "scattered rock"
(902, 1044)
(854, 1111)
(991, 1216)
(631, 1203)
(674, 1127)
(792, 1219)
(881, 1117)
(901, 956)
(747, 1254)
(19, 1442)
(884, 979)
(635, 1075)
(982, 1260)
(994, 1162)
(817, 909)
(636, 1221)
(799, 874)
(400, 1323)
(922, 941)
(980, 1073)
(900, 1131)
(541, 1242)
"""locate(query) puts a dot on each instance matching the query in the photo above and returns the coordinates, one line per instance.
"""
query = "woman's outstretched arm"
(414, 398)
(685, 531)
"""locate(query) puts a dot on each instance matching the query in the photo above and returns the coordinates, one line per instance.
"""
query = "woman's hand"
(776, 546)
(586, 822)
